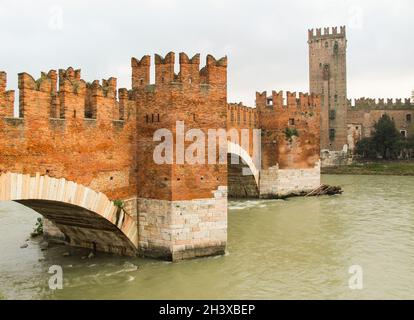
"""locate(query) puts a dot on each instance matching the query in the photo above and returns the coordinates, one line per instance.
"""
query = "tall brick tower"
(327, 75)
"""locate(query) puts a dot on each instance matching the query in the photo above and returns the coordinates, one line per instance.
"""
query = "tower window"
(326, 44)
(326, 72)
(270, 102)
(332, 133)
(292, 122)
(332, 114)
(408, 118)
(403, 133)
(336, 47)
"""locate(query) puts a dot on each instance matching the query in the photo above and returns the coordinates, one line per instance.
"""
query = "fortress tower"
(327, 75)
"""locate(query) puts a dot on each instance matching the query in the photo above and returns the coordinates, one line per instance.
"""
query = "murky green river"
(295, 249)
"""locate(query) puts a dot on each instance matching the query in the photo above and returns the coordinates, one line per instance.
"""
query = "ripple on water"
(301, 248)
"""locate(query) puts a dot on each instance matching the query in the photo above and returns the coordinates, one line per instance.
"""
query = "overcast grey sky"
(265, 41)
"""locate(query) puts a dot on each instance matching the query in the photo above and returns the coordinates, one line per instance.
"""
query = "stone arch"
(233, 148)
(86, 217)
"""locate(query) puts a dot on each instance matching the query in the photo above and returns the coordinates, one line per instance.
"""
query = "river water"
(301, 248)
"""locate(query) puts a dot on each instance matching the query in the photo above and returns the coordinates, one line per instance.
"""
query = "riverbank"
(390, 168)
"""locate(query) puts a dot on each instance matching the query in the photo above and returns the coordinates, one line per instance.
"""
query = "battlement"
(3, 81)
(380, 104)
(140, 72)
(334, 32)
(71, 99)
(239, 115)
(46, 82)
(6, 97)
(292, 101)
(214, 73)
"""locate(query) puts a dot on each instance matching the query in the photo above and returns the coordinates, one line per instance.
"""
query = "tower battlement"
(214, 72)
(277, 101)
(380, 104)
(334, 32)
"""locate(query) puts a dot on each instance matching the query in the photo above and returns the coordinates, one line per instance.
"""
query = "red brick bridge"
(81, 155)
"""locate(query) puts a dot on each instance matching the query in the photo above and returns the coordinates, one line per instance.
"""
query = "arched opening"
(87, 218)
(82, 227)
(243, 175)
(240, 181)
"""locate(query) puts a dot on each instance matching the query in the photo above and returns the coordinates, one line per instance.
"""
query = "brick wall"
(54, 137)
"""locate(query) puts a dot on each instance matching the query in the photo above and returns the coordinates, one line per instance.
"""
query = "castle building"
(344, 123)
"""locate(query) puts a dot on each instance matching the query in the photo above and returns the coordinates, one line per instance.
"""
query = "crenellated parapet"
(6, 97)
(380, 104)
(290, 125)
(291, 101)
(326, 33)
(140, 72)
(58, 101)
(38, 99)
(214, 73)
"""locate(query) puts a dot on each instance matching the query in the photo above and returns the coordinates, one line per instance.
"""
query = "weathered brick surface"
(276, 117)
(98, 152)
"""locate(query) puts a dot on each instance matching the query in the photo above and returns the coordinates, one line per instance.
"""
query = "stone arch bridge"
(76, 147)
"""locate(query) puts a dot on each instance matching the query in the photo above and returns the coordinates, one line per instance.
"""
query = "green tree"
(366, 149)
(386, 138)
(385, 141)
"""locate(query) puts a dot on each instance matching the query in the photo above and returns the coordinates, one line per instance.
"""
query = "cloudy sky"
(265, 41)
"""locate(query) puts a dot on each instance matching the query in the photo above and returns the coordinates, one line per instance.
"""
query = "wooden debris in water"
(325, 190)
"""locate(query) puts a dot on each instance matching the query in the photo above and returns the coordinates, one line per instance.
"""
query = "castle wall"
(290, 143)
(277, 118)
(364, 113)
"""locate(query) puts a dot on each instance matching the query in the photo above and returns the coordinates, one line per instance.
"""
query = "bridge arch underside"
(82, 227)
(83, 217)
(241, 182)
